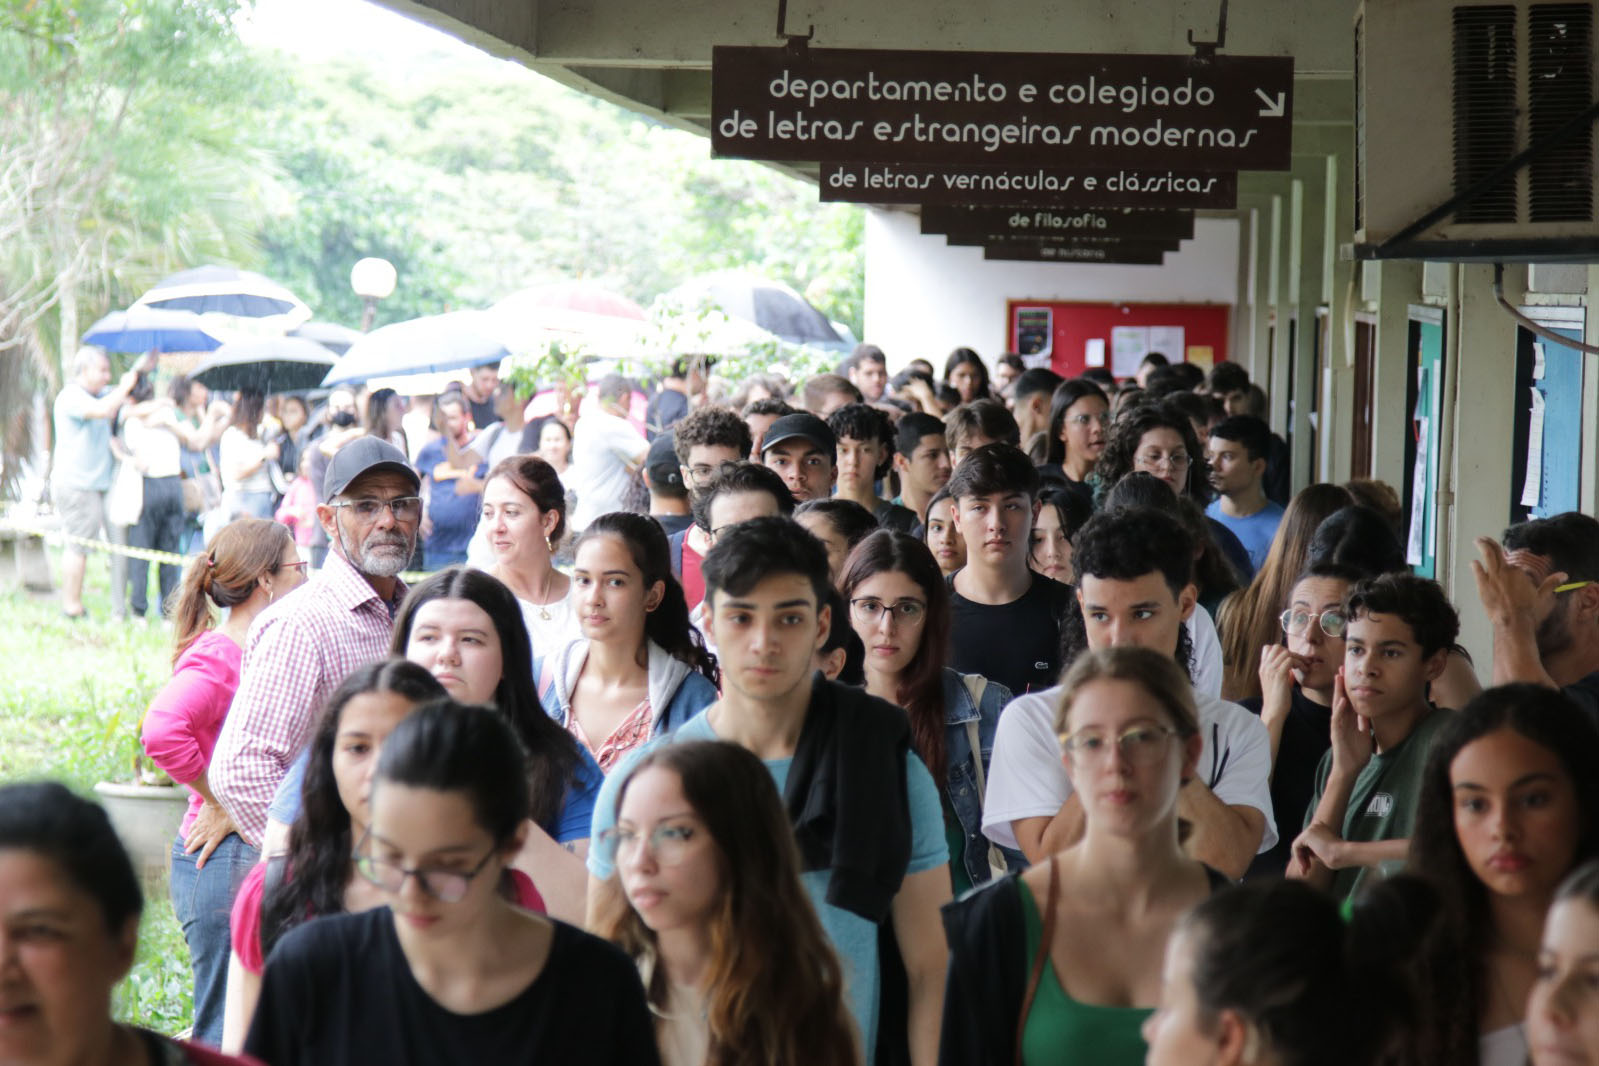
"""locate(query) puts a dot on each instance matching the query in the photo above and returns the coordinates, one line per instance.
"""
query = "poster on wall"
(1035, 335)
(1128, 346)
(1094, 351)
(1168, 341)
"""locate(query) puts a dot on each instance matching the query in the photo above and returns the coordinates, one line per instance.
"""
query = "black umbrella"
(267, 364)
(769, 304)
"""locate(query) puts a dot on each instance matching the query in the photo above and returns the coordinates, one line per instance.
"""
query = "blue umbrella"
(226, 291)
(455, 340)
(147, 329)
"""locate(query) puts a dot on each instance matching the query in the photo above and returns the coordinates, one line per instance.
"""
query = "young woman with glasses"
(1067, 957)
(1297, 674)
(446, 966)
(247, 565)
(899, 606)
(1079, 424)
(706, 865)
(317, 876)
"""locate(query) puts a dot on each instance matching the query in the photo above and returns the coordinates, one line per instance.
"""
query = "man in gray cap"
(302, 646)
(804, 453)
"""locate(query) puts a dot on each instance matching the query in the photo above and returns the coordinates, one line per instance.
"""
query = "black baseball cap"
(362, 456)
(661, 467)
(803, 425)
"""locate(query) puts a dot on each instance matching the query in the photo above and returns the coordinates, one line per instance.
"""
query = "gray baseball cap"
(362, 456)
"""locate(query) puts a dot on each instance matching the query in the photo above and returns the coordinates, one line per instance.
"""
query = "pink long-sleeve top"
(181, 726)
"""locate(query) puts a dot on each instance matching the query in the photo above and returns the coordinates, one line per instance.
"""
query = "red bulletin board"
(1075, 324)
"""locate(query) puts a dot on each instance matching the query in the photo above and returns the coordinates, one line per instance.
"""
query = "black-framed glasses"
(1332, 622)
(403, 508)
(446, 886)
(1142, 745)
(870, 610)
(668, 843)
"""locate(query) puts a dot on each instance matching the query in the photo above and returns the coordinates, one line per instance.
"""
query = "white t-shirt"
(239, 450)
(497, 443)
(602, 447)
(156, 447)
(1027, 779)
(1207, 652)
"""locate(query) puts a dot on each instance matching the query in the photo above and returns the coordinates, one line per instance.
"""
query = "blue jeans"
(204, 902)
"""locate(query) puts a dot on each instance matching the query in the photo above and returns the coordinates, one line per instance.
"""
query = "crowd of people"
(986, 717)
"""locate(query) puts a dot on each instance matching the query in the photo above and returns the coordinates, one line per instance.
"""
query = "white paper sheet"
(1128, 346)
(1532, 491)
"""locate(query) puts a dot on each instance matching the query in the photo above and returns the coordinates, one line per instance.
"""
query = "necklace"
(544, 610)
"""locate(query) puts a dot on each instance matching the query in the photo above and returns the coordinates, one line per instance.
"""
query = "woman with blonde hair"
(247, 565)
(706, 866)
(1250, 618)
(1062, 963)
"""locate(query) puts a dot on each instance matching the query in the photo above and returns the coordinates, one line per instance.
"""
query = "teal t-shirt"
(854, 938)
(1382, 805)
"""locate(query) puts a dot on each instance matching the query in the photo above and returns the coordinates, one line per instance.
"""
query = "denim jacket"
(960, 786)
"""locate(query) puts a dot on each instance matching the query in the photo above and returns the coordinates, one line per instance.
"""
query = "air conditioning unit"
(1474, 131)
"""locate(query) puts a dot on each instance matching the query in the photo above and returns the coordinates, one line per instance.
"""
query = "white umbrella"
(455, 340)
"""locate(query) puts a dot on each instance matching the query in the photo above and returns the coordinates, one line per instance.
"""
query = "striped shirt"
(298, 651)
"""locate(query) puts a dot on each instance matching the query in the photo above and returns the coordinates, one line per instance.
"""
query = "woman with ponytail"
(1269, 974)
(641, 668)
(247, 565)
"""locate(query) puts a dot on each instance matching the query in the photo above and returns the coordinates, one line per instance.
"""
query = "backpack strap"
(1039, 959)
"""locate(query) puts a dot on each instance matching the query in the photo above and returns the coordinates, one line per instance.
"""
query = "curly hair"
(782, 1005)
(711, 426)
(1127, 432)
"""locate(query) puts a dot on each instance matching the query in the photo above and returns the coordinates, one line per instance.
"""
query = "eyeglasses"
(1142, 745)
(446, 886)
(668, 843)
(403, 508)
(1332, 623)
(1154, 460)
(298, 564)
(910, 612)
(703, 472)
(1085, 420)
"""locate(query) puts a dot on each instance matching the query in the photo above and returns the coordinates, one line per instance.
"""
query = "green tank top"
(1063, 1032)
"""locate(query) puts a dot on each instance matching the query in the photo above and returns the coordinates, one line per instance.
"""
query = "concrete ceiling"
(655, 58)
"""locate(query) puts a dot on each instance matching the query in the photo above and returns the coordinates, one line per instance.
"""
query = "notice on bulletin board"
(1202, 355)
(1035, 334)
(1418, 504)
(1128, 346)
(1168, 341)
(1094, 351)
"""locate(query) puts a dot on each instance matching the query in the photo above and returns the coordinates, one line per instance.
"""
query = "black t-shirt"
(1307, 734)
(1584, 692)
(1016, 644)
(483, 414)
(338, 990)
(891, 515)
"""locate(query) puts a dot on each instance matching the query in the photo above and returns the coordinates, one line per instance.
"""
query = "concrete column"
(1590, 404)
(1307, 274)
(1241, 340)
(1474, 490)
(1338, 401)
(1399, 286)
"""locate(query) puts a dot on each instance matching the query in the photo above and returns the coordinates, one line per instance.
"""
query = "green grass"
(69, 710)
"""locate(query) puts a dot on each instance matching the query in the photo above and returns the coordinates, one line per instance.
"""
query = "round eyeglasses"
(1332, 623)
(1141, 745)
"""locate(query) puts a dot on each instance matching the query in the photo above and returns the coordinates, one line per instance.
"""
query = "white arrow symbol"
(1274, 107)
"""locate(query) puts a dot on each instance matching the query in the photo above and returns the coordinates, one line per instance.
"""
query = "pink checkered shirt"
(298, 651)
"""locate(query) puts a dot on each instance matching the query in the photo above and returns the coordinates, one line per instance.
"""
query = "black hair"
(1099, 376)
(1128, 431)
(948, 396)
(714, 426)
(46, 818)
(668, 625)
(899, 381)
(938, 497)
(178, 390)
(848, 518)
(1318, 990)
(461, 747)
(772, 405)
(1569, 540)
(553, 754)
(1126, 544)
(994, 468)
(1073, 510)
(1141, 489)
(862, 421)
(1358, 537)
(1168, 380)
(1548, 719)
(1247, 430)
(1331, 572)
(1037, 379)
(1154, 359)
(143, 388)
(912, 428)
(867, 353)
(320, 841)
(841, 634)
(1012, 360)
(753, 551)
(1066, 394)
(1228, 377)
(1420, 602)
(741, 476)
(970, 358)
